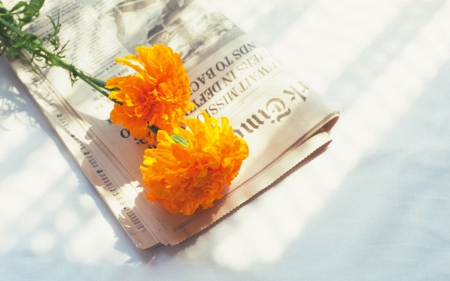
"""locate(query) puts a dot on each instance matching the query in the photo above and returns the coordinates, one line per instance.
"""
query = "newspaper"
(282, 119)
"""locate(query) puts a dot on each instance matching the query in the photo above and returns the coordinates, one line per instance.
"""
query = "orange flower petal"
(186, 178)
(157, 95)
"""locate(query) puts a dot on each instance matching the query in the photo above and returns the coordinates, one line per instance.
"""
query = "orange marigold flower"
(184, 177)
(157, 95)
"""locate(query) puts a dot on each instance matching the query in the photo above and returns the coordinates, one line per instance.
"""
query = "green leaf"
(18, 6)
(2, 8)
(32, 10)
(24, 40)
(180, 140)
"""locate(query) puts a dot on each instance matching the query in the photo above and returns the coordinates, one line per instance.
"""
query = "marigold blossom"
(157, 95)
(185, 177)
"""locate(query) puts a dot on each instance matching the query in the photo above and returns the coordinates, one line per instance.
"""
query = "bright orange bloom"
(184, 178)
(157, 95)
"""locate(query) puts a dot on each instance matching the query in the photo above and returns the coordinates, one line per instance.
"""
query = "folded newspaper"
(282, 119)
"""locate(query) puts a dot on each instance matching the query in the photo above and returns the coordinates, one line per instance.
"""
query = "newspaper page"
(282, 119)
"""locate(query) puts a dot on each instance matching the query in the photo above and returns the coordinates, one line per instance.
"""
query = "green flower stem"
(39, 50)
(153, 129)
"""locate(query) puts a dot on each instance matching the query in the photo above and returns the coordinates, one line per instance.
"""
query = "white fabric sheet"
(374, 206)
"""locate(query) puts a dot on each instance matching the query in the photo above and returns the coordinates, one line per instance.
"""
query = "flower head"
(157, 95)
(184, 177)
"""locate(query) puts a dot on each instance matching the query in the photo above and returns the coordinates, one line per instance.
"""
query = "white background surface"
(374, 206)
